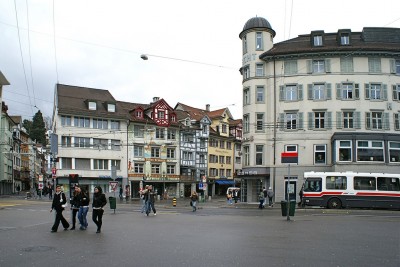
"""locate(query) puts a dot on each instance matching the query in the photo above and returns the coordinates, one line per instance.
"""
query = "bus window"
(336, 182)
(313, 185)
(364, 183)
(388, 184)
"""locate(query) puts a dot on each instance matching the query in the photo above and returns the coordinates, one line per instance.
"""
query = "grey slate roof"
(257, 23)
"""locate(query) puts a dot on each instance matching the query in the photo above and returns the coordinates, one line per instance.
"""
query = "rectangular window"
(388, 184)
(246, 72)
(188, 138)
(161, 114)
(313, 185)
(246, 123)
(65, 120)
(374, 65)
(160, 133)
(345, 39)
(115, 125)
(371, 151)
(318, 66)
(397, 63)
(344, 149)
(82, 122)
(100, 124)
(138, 151)
(290, 67)
(228, 173)
(244, 44)
(336, 182)
(291, 121)
(319, 120)
(319, 154)
(155, 168)
(221, 173)
(171, 134)
(396, 121)
(229, 145)
(364, 183)
(259, 154)
(117, 164)
(259, 121)
(202, 159)
(348, 119)
(222, 144)
(246, 154)
(111, 107)
(374, 120)
(246, 96)
(290, 148)
(260, 94)
(213, 172)
(319, 91)
(187, 155)
(100, 143)
(170, 169)
(222, 159)
(202, 143)
(115, 144)
(100, 164)
(259, 70)
(396, 92)
(346, 65)
(291, 93)
(224, 128)
(82, 164)
(138, 130)
(317, 40)
(259, 41)
(155, 152)
(138, 167)
(66, 163)
(347, 91)
(82, 142)
(394, 152)
(170, 153)
(375, 91)
(65, 141)
(92, 106)
(228, 160)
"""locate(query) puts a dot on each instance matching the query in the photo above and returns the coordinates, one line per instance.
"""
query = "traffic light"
(74, 178)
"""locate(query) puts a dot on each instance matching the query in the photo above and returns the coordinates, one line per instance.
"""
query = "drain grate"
(37, 249)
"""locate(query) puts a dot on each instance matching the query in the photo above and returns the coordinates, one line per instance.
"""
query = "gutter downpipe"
(274, 143)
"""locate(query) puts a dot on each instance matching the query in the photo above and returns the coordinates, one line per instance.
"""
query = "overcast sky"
(196, 45)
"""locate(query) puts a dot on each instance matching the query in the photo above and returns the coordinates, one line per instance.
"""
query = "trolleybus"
(335, 190)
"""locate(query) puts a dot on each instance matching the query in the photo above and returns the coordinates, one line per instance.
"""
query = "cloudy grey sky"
(196, 45)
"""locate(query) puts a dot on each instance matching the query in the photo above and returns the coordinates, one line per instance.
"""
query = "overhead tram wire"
(30, 54)
(54, 41)
(20, 50)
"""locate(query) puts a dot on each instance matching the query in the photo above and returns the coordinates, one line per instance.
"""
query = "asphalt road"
(215, 235)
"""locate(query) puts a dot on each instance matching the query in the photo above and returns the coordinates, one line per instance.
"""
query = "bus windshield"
(313, 185)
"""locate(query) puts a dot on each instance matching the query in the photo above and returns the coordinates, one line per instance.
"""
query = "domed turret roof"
(259, 23)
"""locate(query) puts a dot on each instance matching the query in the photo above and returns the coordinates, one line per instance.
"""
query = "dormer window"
(92, 105)
(111, 107)
(139, 114)
(173, 118)
(343, 37)
(161, 114)
(317, 38)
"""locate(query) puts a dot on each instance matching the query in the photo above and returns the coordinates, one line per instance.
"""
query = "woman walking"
(99, 201)
(194, 197)
(59, 200)
(74, 201)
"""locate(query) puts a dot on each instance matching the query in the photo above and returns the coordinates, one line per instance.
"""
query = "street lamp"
(12, 169)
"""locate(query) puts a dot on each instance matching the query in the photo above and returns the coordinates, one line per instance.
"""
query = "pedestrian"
(120, 192)
(193, 198)
(50, 191)
(236, 195)
(150, 201)
(127, 193)
(270, 194)
(59, 201)
(301, 204)
(99, 201)
(74, 201)
(142, 194)
(84, 201)
(265, 196)
(261, 199)
(18, 189)
(229, 197)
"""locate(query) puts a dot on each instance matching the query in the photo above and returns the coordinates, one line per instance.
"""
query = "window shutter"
(386, 124)
(309, 66)
(384, 92)
(367, 120)
(393, 66)
(366, 91)
(357, 91)
(310, 92)
(357, 120)
(395, 95)
(396, 121)
(300, 115)
(327, 65)
(329, 120)
(300, 91)
(281, 122)
(310, 120)
(338, 91)
(328, 91)
(339, 123)
(281, 93)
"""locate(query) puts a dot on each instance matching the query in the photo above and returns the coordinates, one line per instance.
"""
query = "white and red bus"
(335, 190)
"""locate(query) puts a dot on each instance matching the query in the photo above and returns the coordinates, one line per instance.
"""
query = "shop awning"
(225, 182)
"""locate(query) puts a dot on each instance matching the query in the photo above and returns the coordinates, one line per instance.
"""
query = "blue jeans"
(149, 207)
(194, 205)
(82, 216)
(143, 205)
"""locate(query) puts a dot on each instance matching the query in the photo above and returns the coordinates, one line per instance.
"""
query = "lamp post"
(12, 170)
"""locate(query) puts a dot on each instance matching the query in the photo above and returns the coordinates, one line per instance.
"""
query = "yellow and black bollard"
(174, 202)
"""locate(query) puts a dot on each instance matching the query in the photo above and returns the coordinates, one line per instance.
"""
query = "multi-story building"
(91, 130)
(331, 97)
(9, 149)
(153, 148)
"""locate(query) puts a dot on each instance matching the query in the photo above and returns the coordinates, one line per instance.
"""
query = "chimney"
(208, 107)
(155, 99)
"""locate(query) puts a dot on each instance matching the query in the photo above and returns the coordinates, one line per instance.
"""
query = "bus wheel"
(334, 203)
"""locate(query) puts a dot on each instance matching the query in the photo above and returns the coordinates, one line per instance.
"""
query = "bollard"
(174, 202)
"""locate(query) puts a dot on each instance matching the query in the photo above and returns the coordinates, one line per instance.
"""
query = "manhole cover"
(37, 249)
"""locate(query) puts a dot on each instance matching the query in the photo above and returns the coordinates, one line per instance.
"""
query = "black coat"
(99, 200)
(58, 201)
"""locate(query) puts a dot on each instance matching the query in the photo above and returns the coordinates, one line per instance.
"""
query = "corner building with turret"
(334, 98)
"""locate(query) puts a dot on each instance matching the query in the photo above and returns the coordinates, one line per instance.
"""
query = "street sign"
(204, 187)
(204, 179)
(289, 157)
(113, 185)
(54, 171)
(200, 186)
(40, 185)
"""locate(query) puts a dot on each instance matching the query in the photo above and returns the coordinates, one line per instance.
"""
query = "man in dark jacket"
(150, 199)
(75, 201)
(84, 201)
(59, 200)
(99, 201)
